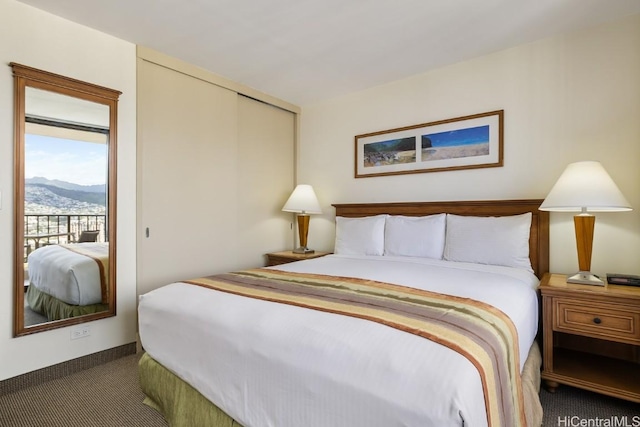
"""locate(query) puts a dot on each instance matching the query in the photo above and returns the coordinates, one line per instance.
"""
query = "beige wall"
(568, 98)
(38, 39)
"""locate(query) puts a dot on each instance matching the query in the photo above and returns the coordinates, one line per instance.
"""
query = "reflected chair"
(88, 236)
(27, 250)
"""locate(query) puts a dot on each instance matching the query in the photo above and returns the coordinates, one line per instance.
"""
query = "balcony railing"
(58, 228)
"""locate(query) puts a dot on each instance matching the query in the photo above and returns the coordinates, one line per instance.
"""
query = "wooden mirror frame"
(30, 77)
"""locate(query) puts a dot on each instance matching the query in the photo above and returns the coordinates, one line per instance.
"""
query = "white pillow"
(489, 240)
(360, 236)
(417, 236)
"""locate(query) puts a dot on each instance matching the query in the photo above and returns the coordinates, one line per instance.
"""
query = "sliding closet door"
(265, 176)
(186, 133)
(214, 169)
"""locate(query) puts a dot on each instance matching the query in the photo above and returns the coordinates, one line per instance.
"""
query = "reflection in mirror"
(65, 201)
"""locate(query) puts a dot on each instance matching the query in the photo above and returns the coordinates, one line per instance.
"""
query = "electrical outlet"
(81, 332)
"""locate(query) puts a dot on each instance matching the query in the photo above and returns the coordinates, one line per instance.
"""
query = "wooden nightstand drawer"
(597, 320)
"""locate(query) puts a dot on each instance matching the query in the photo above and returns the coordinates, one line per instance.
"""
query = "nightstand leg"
(551, 386)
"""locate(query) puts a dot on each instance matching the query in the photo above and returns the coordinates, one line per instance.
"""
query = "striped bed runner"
(478, 331)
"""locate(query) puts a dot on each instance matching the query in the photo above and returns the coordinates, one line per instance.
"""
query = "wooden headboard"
(538, 237)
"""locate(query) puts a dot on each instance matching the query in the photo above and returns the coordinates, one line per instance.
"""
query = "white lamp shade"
(585, 186)
(303, 200)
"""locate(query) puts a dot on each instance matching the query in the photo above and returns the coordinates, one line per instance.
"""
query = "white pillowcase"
(415, 236)
(360, 236)
(489, 240)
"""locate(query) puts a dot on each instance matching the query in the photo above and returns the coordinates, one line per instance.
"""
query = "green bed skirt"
(56, 309)
(179, 403)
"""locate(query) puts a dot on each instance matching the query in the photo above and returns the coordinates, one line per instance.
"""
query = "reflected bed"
(68, 280)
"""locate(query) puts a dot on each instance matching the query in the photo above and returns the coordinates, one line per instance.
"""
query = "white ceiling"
(304, 51)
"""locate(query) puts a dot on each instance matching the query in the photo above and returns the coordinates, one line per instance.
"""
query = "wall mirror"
(65, 201)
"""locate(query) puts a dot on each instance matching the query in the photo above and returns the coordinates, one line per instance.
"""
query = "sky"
(465, 136)
(82, 163)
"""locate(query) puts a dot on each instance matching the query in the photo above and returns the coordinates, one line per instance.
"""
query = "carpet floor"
(569, 407)
(109, 396)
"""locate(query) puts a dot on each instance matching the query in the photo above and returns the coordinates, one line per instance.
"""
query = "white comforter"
(268, 364)
(67, 275)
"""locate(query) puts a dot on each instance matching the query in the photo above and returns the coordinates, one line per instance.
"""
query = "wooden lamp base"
(303, 231)
(584, 225)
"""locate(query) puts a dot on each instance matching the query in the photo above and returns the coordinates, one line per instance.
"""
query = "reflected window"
(66, 175)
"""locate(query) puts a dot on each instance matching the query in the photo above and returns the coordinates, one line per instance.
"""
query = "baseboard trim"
(63, 369)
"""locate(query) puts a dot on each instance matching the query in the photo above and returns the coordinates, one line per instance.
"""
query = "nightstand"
(591, 337)
(284, 257)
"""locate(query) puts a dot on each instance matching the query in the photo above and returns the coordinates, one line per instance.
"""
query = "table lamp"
(585, 187)
(303, 201)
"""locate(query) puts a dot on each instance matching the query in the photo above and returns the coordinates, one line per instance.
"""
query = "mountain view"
(44, 196)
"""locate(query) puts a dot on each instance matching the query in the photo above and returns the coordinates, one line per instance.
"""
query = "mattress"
(269, 364)
(68, 275)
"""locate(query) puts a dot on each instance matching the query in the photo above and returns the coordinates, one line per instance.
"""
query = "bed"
(235, 350)
(68, 280)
